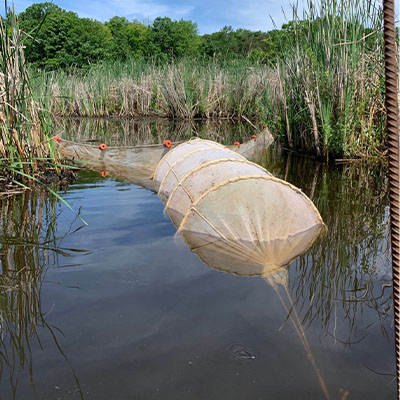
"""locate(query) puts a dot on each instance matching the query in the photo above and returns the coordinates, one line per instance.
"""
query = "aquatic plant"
(184, 90)
(25, 151)
(331, 96)
(324, 95)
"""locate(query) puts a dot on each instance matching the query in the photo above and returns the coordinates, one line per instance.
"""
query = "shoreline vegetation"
(23, 143)
(321, 93)
(28, 157)
(317, 83)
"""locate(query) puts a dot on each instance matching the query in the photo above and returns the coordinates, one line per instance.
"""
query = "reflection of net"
(116, 132)
(232, 213)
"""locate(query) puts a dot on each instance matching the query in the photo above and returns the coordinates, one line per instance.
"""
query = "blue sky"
(210, 15)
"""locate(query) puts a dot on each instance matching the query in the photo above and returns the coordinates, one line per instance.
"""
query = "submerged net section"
(142, 159)
(233, 213)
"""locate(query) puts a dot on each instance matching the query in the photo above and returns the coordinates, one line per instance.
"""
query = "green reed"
(324, 95)
(24, 147)
(331, 97)
(186, 89)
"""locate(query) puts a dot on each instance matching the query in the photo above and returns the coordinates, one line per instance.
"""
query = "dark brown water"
(120, 309)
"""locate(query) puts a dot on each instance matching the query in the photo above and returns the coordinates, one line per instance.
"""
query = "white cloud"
(146, 9)
(257, 14)
(136, 9)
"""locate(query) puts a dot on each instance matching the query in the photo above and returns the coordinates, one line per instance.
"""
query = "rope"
(301, 333)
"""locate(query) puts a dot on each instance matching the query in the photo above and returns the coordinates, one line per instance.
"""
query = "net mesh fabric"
(138, 164)
(232, 213)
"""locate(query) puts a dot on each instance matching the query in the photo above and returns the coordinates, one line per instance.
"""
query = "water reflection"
(346, 271)
(343, 283)
(341, 287)
(267, 260)
(139, 132)
(28, 244)
(346, 275)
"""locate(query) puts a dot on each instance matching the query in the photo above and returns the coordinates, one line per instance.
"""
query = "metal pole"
(392, 126)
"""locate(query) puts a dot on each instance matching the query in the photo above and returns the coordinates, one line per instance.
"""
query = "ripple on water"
(239, 352)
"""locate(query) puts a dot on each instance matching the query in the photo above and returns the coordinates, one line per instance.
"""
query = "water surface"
(121, 309)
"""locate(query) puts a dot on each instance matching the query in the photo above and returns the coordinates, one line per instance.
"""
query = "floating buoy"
(237, 144)
(254, 137)
(57, 139)
(102, 146)
(167, 143)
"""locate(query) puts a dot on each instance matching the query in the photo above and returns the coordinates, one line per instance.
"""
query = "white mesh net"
(232, 213)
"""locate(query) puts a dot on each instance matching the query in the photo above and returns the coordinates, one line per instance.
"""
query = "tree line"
(57, 38)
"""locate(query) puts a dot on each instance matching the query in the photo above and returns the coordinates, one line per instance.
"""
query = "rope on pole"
(392, 127)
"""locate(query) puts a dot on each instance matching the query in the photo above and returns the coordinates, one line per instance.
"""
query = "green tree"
(90, 42)
(136, 35)
(275, 44)
(219, 44)
(129, 38)
(35, 14)
(61, 39)
(173, 39)
(228, 43)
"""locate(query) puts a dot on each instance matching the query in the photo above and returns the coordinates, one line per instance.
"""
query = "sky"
(210, 15)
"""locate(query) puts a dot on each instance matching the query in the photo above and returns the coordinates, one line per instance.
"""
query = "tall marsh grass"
(324, 96)
(24, 148)
(331, 96)
(183, 90)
